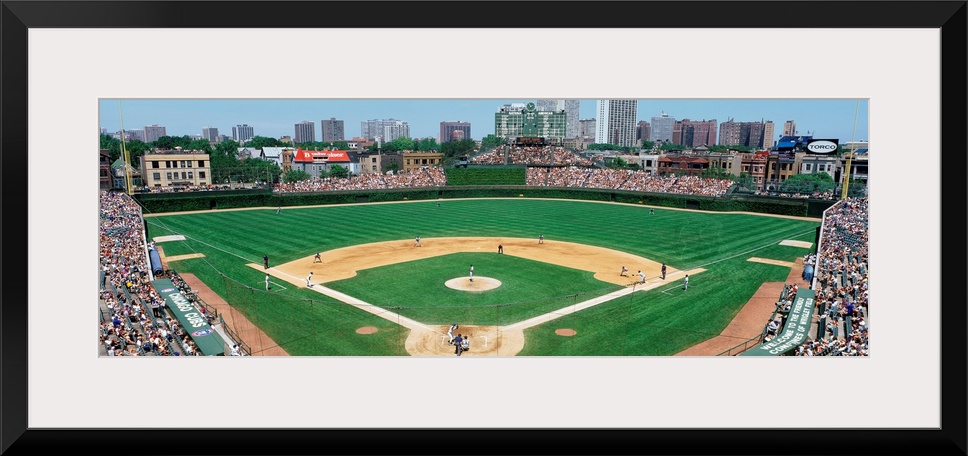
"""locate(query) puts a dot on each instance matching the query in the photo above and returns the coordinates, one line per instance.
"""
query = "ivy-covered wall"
(179, 202)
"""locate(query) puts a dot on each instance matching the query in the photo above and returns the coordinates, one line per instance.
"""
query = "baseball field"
(376, 293)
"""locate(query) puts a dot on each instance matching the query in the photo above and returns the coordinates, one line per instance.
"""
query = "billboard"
(823, 146)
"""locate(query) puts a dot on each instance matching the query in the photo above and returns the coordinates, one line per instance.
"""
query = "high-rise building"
(750, 134)
(643, 132)
(153, 132)
(449, 131)
(305, 132)
(385, 130)
(210, 134)
(789, 128)
(332, 130)
(767, 134)
(511, 122)
(586, 128)
(692, 133)
(662, 127)
(242, 133)
(616, 122)
(571, 109)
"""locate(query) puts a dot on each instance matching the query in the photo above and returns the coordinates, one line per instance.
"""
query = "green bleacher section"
(490, 175)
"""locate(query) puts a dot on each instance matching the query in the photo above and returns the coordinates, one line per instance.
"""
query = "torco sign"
(822, 146)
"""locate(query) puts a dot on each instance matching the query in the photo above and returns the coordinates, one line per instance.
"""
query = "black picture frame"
(16, 17)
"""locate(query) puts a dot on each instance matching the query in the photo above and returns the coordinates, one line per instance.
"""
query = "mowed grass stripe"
(681, 239)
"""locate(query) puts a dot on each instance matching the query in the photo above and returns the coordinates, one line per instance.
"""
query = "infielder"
(309, 278)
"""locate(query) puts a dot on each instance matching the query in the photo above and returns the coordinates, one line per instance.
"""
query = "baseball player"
(417, 242)
(685, 282)
(267, 282)
(472, 273)
(309, 278)
(450, 333)
(642, 275)
(625, 272)
(317, 258)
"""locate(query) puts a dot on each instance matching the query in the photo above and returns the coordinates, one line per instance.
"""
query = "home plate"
(479, 284)
(803, 244)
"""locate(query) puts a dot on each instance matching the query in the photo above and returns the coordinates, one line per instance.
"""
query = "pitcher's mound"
(479, 284)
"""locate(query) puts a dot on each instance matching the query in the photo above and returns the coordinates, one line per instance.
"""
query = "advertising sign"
(822, 146)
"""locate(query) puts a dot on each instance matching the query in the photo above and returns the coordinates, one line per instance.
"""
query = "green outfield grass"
(657, 322)
(528, 289)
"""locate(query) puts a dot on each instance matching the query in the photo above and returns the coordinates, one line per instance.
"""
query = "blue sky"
(824, 118)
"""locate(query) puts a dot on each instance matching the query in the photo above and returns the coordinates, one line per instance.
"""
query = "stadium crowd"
(530, 155)
(841, 282)
(623, 179)
(428, 177)
(134, 318)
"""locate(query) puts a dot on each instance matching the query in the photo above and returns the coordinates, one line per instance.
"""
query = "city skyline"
(826, 118)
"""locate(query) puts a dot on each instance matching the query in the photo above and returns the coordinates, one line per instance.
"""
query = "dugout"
(156, 267)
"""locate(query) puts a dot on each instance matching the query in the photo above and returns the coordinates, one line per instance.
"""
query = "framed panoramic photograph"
(604, 228)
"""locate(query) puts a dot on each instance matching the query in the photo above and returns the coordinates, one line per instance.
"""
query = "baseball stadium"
(525, 250)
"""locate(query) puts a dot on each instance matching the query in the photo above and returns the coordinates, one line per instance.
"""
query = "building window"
(191, 175)
(169, 176)
(154, 164)
(167, 163)
(201, 163)
(104, 173)
(156, 176)
(201, 175)
(807, 167)
(183, 175)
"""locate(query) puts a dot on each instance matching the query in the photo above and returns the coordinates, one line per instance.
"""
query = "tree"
(295, 175)
(745, 180)
(341, 145)
(618, 163)
(427, 144)
(452, 149)
(603, 146)
(491, 141)
(647, 145)
(393, 166)
(171, 142)
(716, 172)
(670, 146)
(338, 171)
(113, 145)
(808, 183)
(258, 142)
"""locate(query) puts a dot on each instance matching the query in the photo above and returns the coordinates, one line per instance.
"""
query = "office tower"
(153, 132)
(616, 122)
(210, 134)
(789, 128)
(305, 132)
(385, 130)
(643, 132)
(449, 131)
(692, 133)
(332, 130)
(242, 133)
(586, 128)
(749, 134)
(571, 109)
(662, 127)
